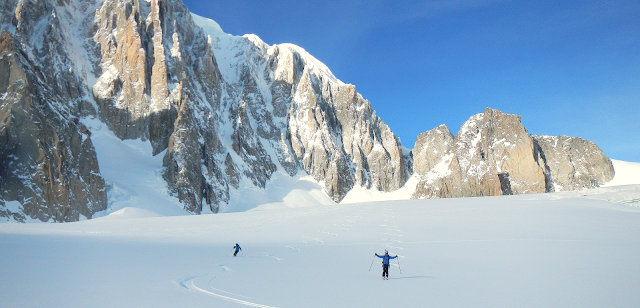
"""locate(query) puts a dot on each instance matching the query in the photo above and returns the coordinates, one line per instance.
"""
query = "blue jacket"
(385, 258)
(237, 247)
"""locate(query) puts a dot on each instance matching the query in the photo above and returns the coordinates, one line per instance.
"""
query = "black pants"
(235, 253)
(385, 270)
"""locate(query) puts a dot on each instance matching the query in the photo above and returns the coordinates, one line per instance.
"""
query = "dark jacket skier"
(385, 264)
(237, 248)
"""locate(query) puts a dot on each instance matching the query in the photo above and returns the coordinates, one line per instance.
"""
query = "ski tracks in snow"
(391, 233)
(195, 283)
(270, 256)
(189, 283)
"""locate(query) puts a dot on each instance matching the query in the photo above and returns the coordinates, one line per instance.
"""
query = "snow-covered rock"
(304, 115)
(493, 154)
(224, 110)
(574, 163)
(47, 160)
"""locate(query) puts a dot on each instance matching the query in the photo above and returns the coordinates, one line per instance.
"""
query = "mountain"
(223, 112)
(148, 71)
(48, 160)
(493, 154)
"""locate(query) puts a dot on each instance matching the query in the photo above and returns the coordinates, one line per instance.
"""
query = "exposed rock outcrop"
(573, 163)
(148, 71)
(493, 154)
(430, 148)
(47, 160)
(307, 117)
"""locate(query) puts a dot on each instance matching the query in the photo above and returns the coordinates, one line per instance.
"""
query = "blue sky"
(567, 67)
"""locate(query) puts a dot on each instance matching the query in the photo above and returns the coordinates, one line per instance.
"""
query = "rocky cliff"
(573, 163)
(493, 154)
(47, 160)
(220, 109)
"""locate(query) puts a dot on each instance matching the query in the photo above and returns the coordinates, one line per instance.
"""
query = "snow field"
(512, 251)
(627, 173)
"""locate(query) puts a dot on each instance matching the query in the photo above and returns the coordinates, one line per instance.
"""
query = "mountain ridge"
(222, 110)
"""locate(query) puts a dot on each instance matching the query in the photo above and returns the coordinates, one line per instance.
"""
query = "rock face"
(430, 148)
(493, 154)
(47, 160)
(290, 104)
(220, 109)
(573, 163)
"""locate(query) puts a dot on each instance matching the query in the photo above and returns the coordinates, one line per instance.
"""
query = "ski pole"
(374, 258)
(399, 266)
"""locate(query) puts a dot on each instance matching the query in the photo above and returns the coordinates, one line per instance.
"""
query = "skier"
(237, 248)
(385, 264)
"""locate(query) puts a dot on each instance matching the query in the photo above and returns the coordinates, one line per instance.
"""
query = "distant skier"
(385, 264)
(237, 248)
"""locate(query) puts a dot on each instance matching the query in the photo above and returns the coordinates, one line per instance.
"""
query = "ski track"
(296, 249)
(390, 234)
(270, 256)
(189, 283)
(313, 239)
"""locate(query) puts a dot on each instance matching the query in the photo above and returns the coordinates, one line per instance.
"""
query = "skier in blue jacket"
(385, 264)
(237, 248)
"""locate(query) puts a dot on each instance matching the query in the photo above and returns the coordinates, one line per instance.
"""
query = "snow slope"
(627, 173)
(135, 186)
(133, 177)
(569, 249)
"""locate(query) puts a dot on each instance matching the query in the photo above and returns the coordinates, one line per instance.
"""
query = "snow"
(130, 212)
(227, 49)
(175, 50)
(440, 170)
(360, 194)
(103, 86)
(230, 51)
(133, 176)
(474, 144)
(627, 173)
(319, 68)
(282, 191)
(13, 206)
(546, 250)
(209, 26)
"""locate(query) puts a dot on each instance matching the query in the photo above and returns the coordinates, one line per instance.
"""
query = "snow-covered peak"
(257, 41)
(229, 50)
(315, 65)
(209, 26)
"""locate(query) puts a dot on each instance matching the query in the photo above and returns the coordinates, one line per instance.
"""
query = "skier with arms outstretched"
(385, 264)
(237, 248)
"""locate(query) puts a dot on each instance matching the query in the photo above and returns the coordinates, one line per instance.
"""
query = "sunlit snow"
(548, 250)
